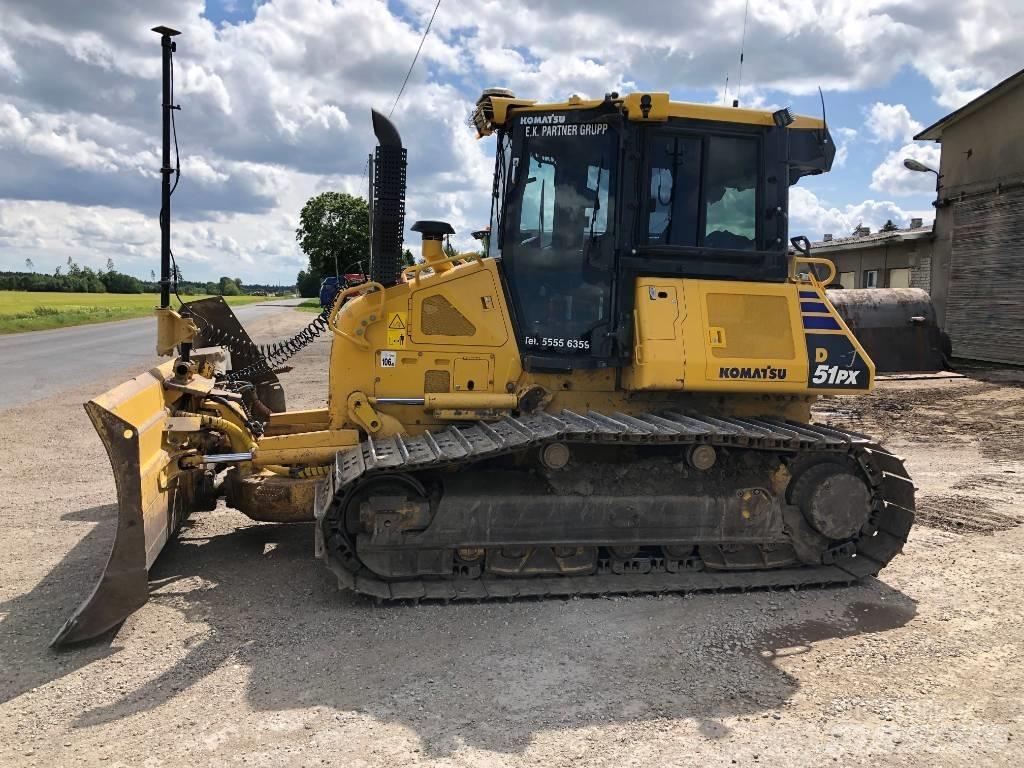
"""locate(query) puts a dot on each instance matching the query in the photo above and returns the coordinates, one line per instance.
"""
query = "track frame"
(878, 541)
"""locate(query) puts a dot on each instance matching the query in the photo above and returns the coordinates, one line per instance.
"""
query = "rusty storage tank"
(898, 328)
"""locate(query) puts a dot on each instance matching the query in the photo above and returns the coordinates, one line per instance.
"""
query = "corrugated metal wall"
(985, 307)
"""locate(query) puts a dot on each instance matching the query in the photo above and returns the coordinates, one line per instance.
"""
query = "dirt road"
(248, 655)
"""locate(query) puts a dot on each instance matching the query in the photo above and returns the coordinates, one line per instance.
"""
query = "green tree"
(30, 265)
(308, 284)
(888, 226)
(450, 251)
(334, 232)
(408, 260)
(118, 282)
(228, 287)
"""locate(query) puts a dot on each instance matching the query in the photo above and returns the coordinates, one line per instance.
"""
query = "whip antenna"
(743, 45)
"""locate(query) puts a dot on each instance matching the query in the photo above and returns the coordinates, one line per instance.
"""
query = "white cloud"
(56, 137)
(813, 217)
(7, 62)
(892, 178)
(91, 235)
(843, 137)
(276, 108)
(891, 122)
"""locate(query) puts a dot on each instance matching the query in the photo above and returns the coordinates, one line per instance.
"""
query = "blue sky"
(222, 12)
(276, 97)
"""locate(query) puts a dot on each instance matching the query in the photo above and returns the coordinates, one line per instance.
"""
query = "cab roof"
(492, 110)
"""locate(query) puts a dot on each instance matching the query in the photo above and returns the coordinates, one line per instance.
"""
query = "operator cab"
(588, 196)
(561, 187)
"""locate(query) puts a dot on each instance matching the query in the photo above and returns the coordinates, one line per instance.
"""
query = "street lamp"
(914, 165)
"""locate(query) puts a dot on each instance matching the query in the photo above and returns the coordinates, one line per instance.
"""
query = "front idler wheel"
(834, 499)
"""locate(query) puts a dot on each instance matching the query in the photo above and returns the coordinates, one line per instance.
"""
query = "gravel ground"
(247, 653)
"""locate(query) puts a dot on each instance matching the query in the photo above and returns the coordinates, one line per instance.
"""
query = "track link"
(880, 539)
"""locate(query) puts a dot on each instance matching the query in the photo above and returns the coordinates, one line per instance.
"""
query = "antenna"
(168, 46)
(743, 45)
(824, 120)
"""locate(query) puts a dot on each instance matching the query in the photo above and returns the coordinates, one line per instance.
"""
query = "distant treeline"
(76, 279)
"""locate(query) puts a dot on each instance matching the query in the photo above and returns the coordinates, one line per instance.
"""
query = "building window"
(848, 279)
(899, 278)
(871, 278)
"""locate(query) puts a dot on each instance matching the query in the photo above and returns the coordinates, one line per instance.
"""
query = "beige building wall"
(981, 150)
(985, 146)
(912, 255)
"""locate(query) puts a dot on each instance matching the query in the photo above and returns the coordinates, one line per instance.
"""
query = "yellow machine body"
(451, 333)
(442, 348)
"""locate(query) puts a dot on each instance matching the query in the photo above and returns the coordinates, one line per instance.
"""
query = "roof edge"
(934, 131)
(870, 241)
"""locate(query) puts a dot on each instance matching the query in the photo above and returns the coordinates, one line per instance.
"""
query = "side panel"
(460, 313)
(732, 336)
(448, 332)
(837, 362)
(751, 336)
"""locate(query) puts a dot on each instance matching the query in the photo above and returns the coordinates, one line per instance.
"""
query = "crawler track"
(863, 555)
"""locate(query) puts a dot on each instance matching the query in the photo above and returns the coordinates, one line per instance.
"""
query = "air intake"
(389, 167)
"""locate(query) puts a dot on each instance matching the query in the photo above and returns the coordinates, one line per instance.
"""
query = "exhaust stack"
(388, 203)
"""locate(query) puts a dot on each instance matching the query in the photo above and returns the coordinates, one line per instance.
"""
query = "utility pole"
(166, 33)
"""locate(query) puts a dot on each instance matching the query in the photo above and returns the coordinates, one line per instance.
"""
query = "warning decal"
(397, 329)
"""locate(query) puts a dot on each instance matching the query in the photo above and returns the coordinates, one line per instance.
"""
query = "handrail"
(364, 289)
(416, 269)
(811, 261)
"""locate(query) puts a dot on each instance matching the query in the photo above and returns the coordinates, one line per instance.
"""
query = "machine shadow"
(33, 618)
(487, 675)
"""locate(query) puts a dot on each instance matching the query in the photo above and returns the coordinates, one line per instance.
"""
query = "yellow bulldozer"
(614, 399)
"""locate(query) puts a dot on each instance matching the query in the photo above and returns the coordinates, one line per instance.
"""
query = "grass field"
(310, 305)
(37, 311)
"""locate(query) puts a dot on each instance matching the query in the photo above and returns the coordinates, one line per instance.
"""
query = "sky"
(275, 102)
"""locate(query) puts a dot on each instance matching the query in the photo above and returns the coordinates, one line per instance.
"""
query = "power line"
(409, 73)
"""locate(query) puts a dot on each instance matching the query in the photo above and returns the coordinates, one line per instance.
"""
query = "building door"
(985, 307)
(848, 279)
(898, 278)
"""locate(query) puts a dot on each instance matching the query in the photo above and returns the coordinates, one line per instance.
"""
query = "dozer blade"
(130, 421)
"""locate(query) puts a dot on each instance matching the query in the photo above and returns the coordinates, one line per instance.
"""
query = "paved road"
(41, 363)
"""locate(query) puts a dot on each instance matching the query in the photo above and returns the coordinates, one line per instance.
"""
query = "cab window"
(703, 191)
(561, 206)
(674, 189)
(730, 193)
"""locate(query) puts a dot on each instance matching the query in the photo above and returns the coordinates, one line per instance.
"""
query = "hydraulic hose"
(299, 472)
(241, 441)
